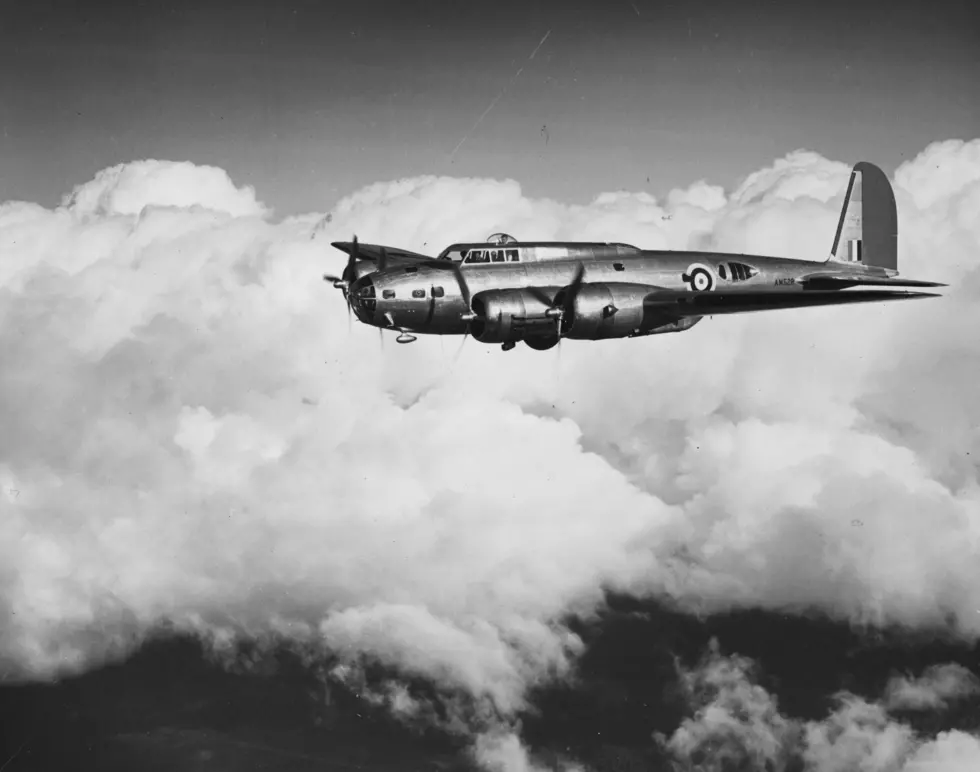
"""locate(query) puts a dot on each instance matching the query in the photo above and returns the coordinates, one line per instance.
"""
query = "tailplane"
(867, 233)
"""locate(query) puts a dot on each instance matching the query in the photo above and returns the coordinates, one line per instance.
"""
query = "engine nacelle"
(605, 310)
(509, 315)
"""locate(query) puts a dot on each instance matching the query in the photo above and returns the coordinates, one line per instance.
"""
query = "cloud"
(737, 724)
(933, 690)
(192, 437)
(127, 189)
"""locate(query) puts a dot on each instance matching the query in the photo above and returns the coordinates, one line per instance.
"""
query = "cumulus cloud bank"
(190, 435)
(737, 725)
(935, 689)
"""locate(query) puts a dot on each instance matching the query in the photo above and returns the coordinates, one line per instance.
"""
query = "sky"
(308, 101)
(237, 533)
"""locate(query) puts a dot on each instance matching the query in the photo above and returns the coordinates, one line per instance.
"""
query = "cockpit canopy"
(501, 238)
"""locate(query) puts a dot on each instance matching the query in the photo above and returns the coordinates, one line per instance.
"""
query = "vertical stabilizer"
(867, 233)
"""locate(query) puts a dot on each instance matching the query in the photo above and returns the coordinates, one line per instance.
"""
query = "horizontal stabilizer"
(833, 281)
(373, 251)
(681, 303)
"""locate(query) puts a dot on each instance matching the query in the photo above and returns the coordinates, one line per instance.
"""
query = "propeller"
(562, 308)
(347, 278)
(567, 310)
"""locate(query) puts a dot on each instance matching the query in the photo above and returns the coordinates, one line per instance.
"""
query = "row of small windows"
(437, 292)
(740, 271)
(491, 256)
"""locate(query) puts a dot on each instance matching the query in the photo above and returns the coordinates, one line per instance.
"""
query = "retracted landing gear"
(403, 336)
(508, 345)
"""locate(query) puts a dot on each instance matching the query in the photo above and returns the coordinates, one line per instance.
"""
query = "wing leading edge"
(373, 251)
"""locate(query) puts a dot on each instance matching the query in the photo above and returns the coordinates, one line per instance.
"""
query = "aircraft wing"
(835, 281)
(373, 251)
(680, 304)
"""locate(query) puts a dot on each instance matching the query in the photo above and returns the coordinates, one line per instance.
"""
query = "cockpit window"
(721, 271)
(492, 256)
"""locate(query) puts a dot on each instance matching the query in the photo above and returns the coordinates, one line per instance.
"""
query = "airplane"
(541, 292)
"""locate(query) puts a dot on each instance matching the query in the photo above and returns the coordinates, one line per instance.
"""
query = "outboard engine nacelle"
(604, 310)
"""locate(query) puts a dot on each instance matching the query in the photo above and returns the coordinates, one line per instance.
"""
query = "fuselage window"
(388, 294)
(498, 255)
(619, 267)
(741, 271)
(419, 293)
(438, 292)
(721, 271)
(511, 255)
(412, 269)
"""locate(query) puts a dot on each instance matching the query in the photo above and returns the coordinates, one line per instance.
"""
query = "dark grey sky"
(308, 101)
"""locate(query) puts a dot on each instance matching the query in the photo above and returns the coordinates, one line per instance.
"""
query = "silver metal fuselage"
(416, 297)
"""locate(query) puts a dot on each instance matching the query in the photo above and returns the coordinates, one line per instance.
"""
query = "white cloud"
(736, 723)
(933, 690)
(127, 188)
(188, 432)
(950, 752)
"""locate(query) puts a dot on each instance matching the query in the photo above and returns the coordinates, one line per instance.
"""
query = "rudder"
(867, 233)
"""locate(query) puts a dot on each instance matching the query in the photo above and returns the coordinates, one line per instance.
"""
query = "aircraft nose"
(362, 298)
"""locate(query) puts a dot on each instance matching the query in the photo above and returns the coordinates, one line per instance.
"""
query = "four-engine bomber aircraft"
(505, 291)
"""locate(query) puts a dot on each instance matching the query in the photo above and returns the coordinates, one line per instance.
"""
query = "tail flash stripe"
(840, 223)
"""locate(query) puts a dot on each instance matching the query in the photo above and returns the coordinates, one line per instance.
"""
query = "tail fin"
(867, 233)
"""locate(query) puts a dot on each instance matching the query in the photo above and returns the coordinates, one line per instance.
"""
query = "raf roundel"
(699, 278)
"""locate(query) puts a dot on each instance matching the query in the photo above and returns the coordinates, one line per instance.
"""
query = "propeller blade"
(331, 278)
(576, 284)
(383, 259)
(540, 295)
(350, 271)
(381, 337)
(460, 349)
(568, 304)
(464, 288)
